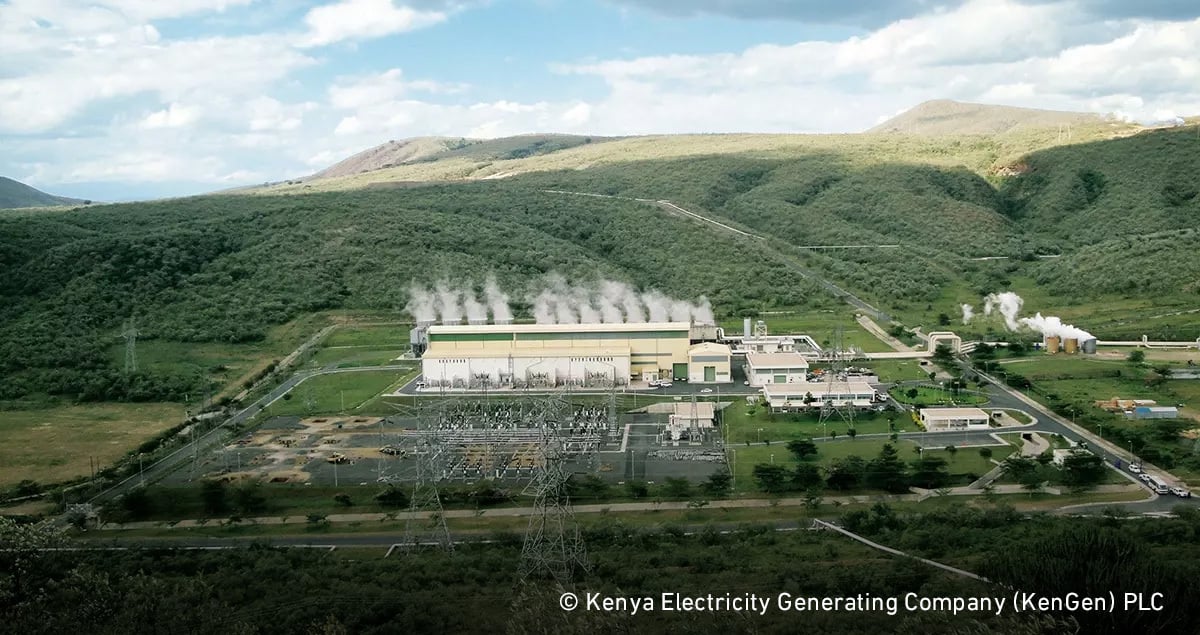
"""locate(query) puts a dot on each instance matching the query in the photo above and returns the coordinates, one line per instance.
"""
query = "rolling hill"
(947, 117)
(14, 194)
(1119, 212)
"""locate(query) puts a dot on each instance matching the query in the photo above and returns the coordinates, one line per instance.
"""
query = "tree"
(343, 500)
(137, 503)
(943, 319)
(804, 449)
(912, 393)
(392, 496)
(249, 497)
(951, 450)
(887, 471)
(1031, 481)
(213, 496)
(985, 453)
(942, 354)
(1082, 470)
(806, 476)
(932, 375)
(852, 433)
(23, 546)
(846, 474)
(717, 484)
(675, 487)
(770, 478)
(637, 489)
(1136, 356)
(930, 472)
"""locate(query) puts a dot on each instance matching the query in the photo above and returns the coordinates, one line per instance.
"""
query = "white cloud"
(174, 116)
(363, 19)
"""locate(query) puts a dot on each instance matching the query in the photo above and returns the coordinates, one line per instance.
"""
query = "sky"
(132, 99)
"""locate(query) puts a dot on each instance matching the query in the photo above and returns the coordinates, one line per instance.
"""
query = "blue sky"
(127, 99)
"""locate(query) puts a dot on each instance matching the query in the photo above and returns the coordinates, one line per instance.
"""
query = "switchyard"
(466, 439)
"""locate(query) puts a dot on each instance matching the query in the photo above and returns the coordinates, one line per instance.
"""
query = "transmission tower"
(130, 333)
(553, 546)
(836, 370)
(426, 522)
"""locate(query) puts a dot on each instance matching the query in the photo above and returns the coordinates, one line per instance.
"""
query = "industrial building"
(954, 419)
(1153, 412)
(547, 355)
(784, 397)
(709, 363)
(1054, 344)
(690, 420)
(776, 368)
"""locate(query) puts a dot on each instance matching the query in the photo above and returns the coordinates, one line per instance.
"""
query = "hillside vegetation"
(14, 194)
(917, 213)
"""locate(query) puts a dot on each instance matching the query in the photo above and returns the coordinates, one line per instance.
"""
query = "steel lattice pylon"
(553, 545)
(837, 367)
(425, 525)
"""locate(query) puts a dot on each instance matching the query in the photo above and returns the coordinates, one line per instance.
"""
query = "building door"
(679, 371)
(710, 373)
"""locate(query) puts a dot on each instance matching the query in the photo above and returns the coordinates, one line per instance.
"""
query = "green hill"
(946, 117)
(1121, 213)
(14, 194)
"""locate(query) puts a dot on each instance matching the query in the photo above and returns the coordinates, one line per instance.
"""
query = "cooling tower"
(1052, 343)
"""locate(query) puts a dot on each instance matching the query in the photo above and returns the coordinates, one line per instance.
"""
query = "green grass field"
(742, 426)
(384, 336)
(355, 356)
(820, 325)
(893, 370)
(927, 396)
(336, 393)
(57, 444)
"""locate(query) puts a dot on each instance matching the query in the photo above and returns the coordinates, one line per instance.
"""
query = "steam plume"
(968, 312)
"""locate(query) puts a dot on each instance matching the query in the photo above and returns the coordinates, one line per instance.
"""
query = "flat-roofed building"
(776, 368)
(709, 363)
(954, 419)
(546, 355)
(796, 396)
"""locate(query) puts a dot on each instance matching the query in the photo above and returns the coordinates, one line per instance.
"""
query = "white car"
(745, 383)
(421, 384)
(665, 384)
(1145, 477)
(1136, 468)
(706, 390)
(1181, 492)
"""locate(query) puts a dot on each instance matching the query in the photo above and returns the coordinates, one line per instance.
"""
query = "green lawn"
(743, 426)
(928, 396)
(820, 325)
(331, 392)
(389, 336)
(893, 370)
(356, 356)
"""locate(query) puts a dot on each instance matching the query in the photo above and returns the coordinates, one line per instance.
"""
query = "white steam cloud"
(554, 301)
(968, 312)
(1009, 305)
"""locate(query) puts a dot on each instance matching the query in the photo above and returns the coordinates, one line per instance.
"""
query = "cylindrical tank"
(1052, 343)
(1089, 346)
(746, 327)
(1071, 346)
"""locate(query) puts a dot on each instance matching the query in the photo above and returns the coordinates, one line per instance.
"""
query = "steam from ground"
(968, 312)
(1009, 305)
(555, 301)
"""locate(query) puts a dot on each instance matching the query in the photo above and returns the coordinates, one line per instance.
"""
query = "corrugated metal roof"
(709, 347)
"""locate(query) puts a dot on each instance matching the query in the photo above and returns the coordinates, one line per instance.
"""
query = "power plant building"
(547, 355)
(776, 368)
(800, 396)
(709, 363)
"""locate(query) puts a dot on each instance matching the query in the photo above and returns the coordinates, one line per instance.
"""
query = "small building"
(1155, 412)
(776, 368)
(785, 397)
(1060, 455)
(709, 363)
(954, 418)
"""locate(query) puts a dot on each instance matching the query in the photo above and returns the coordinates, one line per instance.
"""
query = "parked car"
(1145, 477)
(665, 384)
(706, 390)
(1181, 492)
(1136, 468)
(745, 383)
(421, 384)
(391, 449)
